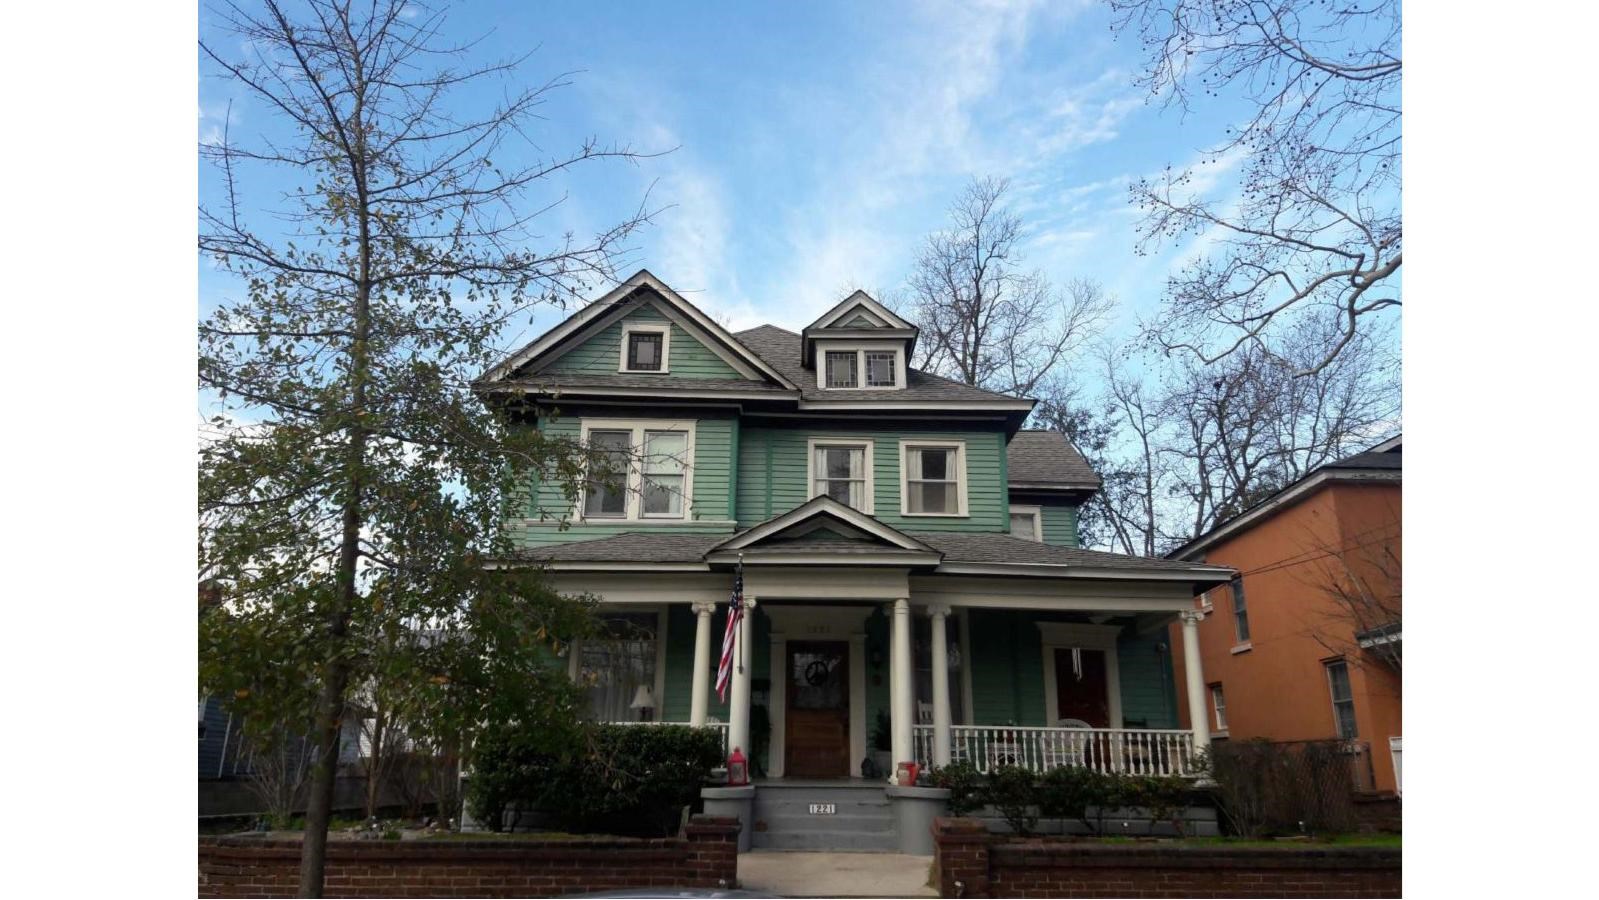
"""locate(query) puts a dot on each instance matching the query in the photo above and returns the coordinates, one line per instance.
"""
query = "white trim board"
(864, 301)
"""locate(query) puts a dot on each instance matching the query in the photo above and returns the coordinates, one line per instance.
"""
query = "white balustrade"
(1131, 751)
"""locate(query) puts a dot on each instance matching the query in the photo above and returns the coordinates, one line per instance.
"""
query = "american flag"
(735, 611)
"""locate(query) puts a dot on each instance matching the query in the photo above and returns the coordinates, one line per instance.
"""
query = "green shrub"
(1012, 790)
(1165, 798)
(1066, 792)
(618, 779)
(965, 785)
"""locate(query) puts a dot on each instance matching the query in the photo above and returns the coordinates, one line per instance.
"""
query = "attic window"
(644, 348)
(841, 372)
(880, 369)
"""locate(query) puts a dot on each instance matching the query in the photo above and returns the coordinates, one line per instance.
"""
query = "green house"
(908, 554)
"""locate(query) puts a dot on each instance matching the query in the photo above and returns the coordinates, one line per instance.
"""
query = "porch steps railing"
(1131, 751)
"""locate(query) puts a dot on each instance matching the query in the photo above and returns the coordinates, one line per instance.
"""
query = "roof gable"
(598, 351)
(642, 287)
(825, 522)
(860, 307)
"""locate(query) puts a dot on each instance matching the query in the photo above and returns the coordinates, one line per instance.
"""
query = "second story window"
(933, 478)
(1240, 610)
(841, 370)
(644, 347)
(638, 470)
(842, 470)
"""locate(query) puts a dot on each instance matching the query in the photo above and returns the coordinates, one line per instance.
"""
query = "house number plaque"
(824, 809)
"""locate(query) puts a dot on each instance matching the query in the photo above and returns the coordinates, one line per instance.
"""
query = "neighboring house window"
(841, 370)
(1218, 700)
(644, 470)
(880, 368)
(1026, 523)
(644, 348)
(843, 471)
(617, 670)
(1240, 609)
(933, 478)
(1343, 699)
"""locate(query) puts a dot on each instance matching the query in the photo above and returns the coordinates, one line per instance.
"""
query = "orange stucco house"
(1305, 643)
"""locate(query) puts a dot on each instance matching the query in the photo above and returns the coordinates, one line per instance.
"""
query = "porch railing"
(721, 728)
(1130, 751)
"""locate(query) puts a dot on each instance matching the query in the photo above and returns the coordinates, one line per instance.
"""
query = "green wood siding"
(601, 354)
(1060, 524)
(773, 475)
(714, 439)
(1008, 672)
(1148, 698)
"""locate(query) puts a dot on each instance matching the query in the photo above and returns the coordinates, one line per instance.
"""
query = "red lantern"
(905, 774)
(738, 768)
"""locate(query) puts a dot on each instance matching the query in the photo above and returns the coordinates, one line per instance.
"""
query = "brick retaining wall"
(972, 863)
(706, 856)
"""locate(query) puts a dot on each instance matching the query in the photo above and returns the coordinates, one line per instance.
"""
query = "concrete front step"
(785, 824)
(805, 840)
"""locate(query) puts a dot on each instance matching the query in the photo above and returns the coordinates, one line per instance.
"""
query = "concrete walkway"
(793, 873)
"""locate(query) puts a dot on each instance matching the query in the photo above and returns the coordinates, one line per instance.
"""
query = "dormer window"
(841, 371)
(860, 366)
(880, 369)
(644, 347)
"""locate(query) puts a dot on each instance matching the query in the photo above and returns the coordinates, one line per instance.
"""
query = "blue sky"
(818, 143)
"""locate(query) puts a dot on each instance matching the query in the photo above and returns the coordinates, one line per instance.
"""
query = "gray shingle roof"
(553, 380)
(665, 547)
(959, 547)
(781, 349)
(1390, 460)
(632, 546)
(1046, 457)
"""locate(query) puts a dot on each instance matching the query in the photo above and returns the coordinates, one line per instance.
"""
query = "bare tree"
(1316, 229)
(985, 320)
(1362, 579)
(375, 287)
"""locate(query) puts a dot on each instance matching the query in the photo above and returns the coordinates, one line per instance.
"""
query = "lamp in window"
(644, 702)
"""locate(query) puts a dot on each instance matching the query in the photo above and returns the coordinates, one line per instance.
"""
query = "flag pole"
(740, 629)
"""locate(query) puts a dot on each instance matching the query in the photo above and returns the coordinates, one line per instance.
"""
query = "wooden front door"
(1082, 691)
(816, 723)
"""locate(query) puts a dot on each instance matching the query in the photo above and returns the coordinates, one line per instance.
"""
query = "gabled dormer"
(859, 345)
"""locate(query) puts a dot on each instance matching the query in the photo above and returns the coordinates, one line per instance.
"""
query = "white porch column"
(940, 661)
(1194, 674)
(738, 714)
(701, 700)
(902, 706)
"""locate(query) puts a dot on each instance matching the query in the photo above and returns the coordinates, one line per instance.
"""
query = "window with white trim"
(1026, 522)
(881, 368)
(645, 347)
(1218, 702)
(841, 371)
(933, 478)
(638, 470)
(1240, 610)
(1343, 700)
(842, 470)
(869, 366)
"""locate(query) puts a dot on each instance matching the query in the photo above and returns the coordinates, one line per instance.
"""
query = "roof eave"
(1288, 496)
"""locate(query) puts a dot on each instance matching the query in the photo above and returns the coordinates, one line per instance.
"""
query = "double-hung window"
(1343, 699)
(1240, 610)
(1218, 700)
(611, 453)
(933, 478)
(842, 470)
(638, 470)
